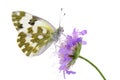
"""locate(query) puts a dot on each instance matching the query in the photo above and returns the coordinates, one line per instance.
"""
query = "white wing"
(34, 34)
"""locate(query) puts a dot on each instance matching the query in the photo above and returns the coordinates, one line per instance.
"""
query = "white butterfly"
(35, 34)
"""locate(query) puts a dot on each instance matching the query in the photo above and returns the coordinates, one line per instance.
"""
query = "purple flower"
(70, 50)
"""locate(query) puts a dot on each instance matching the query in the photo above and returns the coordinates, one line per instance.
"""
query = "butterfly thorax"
(57, 34)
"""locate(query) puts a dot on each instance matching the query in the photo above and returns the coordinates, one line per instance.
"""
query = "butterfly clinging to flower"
(35, 34)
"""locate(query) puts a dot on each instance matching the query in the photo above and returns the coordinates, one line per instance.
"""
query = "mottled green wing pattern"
(34, 34)
(16, 17)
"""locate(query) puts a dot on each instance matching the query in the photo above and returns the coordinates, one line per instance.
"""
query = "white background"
(101, 18)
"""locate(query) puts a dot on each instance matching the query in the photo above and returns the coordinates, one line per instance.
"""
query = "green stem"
(93, 66)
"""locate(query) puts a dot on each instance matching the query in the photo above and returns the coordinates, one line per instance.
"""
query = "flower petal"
(84, 42)
(70, 72)
(79, 39)
(75, 33)
(83, 32)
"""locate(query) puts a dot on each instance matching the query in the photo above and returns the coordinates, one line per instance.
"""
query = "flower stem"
(93, 66)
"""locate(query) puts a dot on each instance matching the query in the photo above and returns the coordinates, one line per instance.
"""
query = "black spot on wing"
(20, 26)
(32, 21)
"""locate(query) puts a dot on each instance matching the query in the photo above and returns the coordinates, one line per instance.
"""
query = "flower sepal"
(76, 54)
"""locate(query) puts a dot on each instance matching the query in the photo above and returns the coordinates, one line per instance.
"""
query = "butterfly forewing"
(34, 34)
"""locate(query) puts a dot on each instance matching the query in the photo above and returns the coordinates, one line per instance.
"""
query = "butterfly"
(35, 35)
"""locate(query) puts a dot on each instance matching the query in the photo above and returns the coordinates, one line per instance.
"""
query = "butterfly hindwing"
(34, 34)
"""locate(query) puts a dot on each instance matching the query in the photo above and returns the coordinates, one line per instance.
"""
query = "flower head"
(70, 50)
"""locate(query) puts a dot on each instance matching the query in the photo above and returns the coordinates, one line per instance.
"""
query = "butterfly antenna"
(61, 16)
